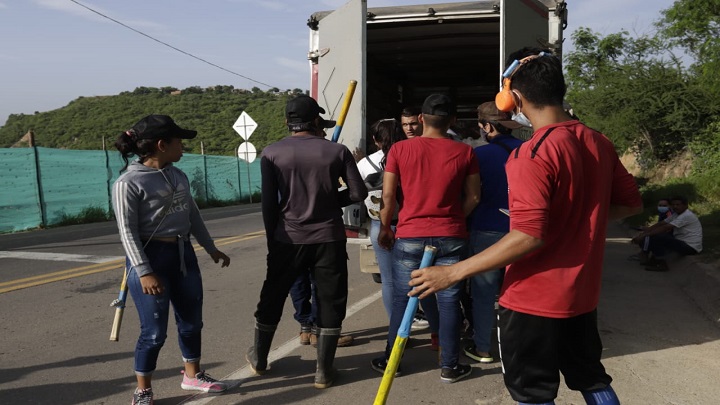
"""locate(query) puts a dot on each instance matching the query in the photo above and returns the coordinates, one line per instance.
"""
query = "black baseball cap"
(303, 110)
(158, 126)
(439, 104)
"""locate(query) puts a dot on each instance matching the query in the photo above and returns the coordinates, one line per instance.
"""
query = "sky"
(54, 51)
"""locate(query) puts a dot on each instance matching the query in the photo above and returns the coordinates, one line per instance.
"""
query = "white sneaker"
(419, 322)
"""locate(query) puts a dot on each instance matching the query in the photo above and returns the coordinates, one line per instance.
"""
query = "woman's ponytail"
(127, 147)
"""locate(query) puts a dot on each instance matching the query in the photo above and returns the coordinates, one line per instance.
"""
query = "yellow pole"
(344, 110)
(402, 336)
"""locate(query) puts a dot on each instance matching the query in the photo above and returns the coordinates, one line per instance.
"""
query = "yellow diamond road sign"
(244, 125)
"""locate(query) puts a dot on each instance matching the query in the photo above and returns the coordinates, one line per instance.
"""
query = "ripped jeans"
(184, 292)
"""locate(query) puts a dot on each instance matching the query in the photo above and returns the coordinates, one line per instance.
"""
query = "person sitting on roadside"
(664, 210)
(682, 233)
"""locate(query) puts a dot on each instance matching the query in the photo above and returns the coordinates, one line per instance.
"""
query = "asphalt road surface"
(661, 331)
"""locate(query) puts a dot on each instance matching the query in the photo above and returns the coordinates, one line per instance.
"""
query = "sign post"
(245, 126)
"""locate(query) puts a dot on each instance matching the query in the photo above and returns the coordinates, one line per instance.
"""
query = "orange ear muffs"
(504, 100)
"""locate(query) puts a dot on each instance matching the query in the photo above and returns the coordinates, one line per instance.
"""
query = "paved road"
(661, 330)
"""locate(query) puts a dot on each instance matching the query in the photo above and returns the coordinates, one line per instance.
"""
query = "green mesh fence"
(71, 181)
(19, 199)
(44, 186)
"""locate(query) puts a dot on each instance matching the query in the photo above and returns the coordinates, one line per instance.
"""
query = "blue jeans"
(185, 292)
(384, 260)
(301, 293)
(407, 254)
(483, 289)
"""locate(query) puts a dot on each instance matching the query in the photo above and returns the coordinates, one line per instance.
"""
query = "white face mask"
(484, 135)
(521, 119)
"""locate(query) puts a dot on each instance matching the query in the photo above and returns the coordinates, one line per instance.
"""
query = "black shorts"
(534, 349)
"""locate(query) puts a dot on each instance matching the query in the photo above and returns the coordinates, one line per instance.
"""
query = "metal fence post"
(109, 176)
(38, 177)
(237, 159)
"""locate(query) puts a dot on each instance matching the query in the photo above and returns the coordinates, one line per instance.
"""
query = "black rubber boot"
(258, 352)
(327, 345)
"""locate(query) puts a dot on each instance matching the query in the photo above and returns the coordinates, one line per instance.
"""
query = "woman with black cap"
(156, 214)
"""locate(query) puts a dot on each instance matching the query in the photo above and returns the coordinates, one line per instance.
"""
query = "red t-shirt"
(562, 195)
(431, 174)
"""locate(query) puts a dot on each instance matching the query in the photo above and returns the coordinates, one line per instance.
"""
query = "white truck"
(400, 55)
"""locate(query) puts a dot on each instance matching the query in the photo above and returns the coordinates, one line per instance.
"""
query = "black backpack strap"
(377, 169)
(537, 145)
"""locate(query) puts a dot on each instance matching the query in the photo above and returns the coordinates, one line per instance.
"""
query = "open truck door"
(337, 57)
(522, 23)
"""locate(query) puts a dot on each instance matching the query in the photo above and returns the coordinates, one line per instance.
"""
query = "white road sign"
(247, 152)
(244, 125)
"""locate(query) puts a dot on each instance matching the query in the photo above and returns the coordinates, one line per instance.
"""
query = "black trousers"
(534, 350)
(325, 262)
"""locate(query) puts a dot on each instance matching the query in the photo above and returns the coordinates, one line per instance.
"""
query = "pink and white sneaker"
(202, 382)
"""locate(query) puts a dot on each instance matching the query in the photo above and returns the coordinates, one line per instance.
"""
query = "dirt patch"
(679, 167)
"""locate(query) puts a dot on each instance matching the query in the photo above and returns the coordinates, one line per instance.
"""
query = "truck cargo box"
(400, 55)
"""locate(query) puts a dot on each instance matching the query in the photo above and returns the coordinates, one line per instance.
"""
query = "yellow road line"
(101, 266)
(41, 279)
(53, 279)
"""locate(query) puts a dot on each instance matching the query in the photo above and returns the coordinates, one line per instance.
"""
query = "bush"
(86, 216)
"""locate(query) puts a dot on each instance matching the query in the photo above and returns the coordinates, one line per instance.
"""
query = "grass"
(86, 216)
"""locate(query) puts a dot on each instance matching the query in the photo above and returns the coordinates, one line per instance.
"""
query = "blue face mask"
(663, 210)
(521, 119)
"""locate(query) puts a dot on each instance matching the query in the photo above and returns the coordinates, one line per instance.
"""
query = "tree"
(694, 26)
(84, 121)
(636, 92)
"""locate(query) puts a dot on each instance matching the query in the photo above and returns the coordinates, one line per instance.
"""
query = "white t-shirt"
(687, 228)
(372, 202)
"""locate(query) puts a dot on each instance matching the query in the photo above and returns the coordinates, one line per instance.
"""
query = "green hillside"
(212, 111)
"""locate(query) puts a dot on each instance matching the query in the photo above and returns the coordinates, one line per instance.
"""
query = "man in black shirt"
(302, 212)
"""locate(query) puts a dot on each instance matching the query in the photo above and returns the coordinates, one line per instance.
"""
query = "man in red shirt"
(440, 185)
(565, 183)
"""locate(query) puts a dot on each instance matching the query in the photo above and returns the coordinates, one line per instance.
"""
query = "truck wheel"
(376, 278)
